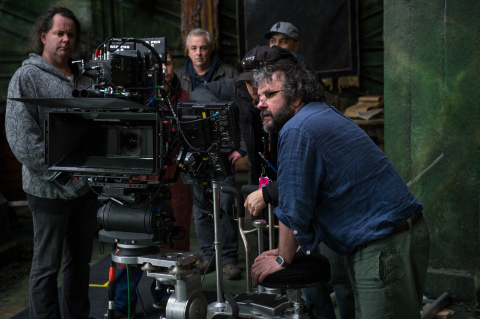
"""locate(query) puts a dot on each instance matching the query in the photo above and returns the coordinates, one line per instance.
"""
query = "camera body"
(128, 67)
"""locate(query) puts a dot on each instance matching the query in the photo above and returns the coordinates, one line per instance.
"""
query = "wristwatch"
(281, 262)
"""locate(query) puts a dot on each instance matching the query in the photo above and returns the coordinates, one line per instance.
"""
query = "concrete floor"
(15, 299)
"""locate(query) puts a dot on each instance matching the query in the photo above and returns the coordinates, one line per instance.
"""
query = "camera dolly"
(173, 268)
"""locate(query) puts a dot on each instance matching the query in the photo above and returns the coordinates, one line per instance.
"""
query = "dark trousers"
(319, 298)
(204, 223)
(62, 230)
(340, 282)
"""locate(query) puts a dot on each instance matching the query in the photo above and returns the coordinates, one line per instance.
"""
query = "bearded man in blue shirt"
(336, 186)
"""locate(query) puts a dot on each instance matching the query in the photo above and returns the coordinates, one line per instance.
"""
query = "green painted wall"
(432, 128)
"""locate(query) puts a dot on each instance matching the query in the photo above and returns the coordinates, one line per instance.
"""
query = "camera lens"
(131, 142)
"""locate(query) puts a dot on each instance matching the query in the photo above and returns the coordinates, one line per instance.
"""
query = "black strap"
(234, 305)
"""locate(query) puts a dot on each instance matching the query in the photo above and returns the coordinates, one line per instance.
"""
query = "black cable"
(169, 104)
(208, 266)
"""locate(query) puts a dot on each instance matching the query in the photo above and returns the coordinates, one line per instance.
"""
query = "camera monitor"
(210, 126)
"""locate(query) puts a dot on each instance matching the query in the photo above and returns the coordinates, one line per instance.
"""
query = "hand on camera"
(255, 203)
(234, 156)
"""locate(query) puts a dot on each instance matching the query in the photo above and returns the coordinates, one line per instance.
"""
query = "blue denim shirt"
(335, 185)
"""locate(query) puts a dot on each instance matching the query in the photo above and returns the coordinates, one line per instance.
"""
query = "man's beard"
(284, 114)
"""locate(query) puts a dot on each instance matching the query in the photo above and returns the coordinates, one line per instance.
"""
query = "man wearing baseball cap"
(283, 34)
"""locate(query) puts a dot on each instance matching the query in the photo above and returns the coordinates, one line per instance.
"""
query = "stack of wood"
(366, 108)
(442, 314)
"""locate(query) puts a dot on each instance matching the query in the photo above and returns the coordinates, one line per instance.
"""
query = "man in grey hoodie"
(63, 209)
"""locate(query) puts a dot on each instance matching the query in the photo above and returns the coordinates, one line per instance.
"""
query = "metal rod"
(260, 230)
(241, 224)
(425, 170)
(440, 303)
(271, 228)
(218, 240)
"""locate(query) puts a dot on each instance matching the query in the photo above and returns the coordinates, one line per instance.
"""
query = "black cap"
(259, 56)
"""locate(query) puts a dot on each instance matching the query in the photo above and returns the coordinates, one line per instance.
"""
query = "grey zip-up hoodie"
(24, 127)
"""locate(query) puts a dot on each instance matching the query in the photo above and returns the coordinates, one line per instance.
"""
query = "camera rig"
(127, 67)
(121, 133)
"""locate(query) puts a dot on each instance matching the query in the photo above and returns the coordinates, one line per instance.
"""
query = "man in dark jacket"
(203, 64)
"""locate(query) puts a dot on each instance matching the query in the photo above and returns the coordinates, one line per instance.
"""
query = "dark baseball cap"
(258, 57)
(285, 28)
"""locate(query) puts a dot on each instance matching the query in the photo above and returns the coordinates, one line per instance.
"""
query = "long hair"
(45, 22)
(297, 82)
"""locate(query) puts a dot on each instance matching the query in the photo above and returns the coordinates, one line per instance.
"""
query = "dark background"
(328, 31)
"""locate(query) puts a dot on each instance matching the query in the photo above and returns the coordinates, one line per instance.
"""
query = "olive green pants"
(388, 276)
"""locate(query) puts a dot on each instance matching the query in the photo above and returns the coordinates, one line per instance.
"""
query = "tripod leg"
(111, 291)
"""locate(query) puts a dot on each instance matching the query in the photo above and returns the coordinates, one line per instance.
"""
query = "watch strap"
(281, 262)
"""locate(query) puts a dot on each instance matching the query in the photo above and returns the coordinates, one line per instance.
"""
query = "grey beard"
(285, 113)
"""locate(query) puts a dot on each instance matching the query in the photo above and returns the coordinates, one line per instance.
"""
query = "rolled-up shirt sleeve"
(299, 175)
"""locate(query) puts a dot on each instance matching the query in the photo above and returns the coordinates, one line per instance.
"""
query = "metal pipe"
(218, 240)
(241, 227)
(440, 303)
(260, 229)
(271, 228)
(247, 253)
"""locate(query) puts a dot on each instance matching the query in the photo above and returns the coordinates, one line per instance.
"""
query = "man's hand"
(265, 265)
(255, 203)
(271, 252)
(234, 156)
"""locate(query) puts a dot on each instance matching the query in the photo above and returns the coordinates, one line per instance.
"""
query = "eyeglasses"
(267, 96)
(249, 65)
